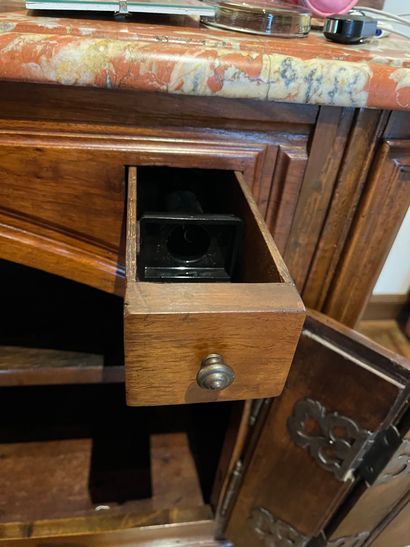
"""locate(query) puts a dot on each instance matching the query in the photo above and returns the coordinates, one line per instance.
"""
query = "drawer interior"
(76, 459)
(253, 321)
(219, 193)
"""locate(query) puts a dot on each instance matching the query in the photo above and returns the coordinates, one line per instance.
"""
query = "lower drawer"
(202, 342)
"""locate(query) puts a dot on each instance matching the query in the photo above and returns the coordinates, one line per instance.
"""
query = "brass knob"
(214, 374)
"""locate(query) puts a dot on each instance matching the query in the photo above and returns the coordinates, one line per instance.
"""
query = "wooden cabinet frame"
(313, 172)
(332, 184)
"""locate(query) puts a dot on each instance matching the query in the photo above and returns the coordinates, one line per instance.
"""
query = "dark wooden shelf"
(57, 331)
(22, 366)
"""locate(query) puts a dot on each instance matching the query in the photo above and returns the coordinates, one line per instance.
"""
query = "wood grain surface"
(329, 141)
(37, 366)
(199, 532)
(387, 333)
(72, 220)
(396, 532)
(309, 169)
(170, 328)
(345, 373)
(381, 211)
(384, 306)
(130, 108)
(77, 461)
(351, 179)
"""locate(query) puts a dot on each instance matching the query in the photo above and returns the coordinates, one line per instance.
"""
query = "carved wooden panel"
(346, 217)
(284, 192)
(62, 190)
(382, 208)
(349, 185)
(325, 156)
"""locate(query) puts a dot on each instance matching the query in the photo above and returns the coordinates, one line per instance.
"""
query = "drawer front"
(201, 342)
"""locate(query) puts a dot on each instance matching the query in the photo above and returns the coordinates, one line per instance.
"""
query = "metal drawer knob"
(214, 374)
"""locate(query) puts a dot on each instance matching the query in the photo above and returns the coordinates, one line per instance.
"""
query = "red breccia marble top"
(199, 61)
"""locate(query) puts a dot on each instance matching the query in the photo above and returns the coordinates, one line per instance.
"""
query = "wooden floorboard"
(387, 333)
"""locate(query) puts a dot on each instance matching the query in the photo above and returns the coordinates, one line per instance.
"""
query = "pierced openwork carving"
(275, 532)
(349, 541)
(399, 465)
(339, 442)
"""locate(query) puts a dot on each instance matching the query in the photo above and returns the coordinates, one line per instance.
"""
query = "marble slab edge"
(203, 63)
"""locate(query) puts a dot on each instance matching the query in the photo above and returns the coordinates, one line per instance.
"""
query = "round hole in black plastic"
(188, 243)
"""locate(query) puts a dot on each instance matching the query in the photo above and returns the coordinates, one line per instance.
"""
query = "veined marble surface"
(199, 61)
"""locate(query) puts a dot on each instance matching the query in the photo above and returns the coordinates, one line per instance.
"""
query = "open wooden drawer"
(249, 327)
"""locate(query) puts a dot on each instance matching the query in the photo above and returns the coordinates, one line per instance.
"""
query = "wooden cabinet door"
(323, 442)
(373, 508)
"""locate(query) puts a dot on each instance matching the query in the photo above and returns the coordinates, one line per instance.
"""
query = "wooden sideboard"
(331, 182)
(332, 185)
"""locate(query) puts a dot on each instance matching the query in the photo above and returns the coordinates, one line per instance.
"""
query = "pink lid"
(323, 8)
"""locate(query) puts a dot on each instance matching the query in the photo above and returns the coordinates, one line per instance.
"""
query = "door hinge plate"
(231, 489)
(275, 532)
(340, 444)
(379, 452)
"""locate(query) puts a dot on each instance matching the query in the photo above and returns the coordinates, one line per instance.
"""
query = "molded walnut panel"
(347, 192)
(383, 206)
(62, 205)
(284, 192)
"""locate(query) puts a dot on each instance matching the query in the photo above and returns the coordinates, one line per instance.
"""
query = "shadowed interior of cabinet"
(83, 452)
(67, 437)
(57, 331)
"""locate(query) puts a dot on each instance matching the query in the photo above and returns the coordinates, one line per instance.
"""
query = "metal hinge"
(341, 445)
(379, 452)
(231, 489)
(237, 472)
(255, 410)
(398, 466)
(275, 532)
